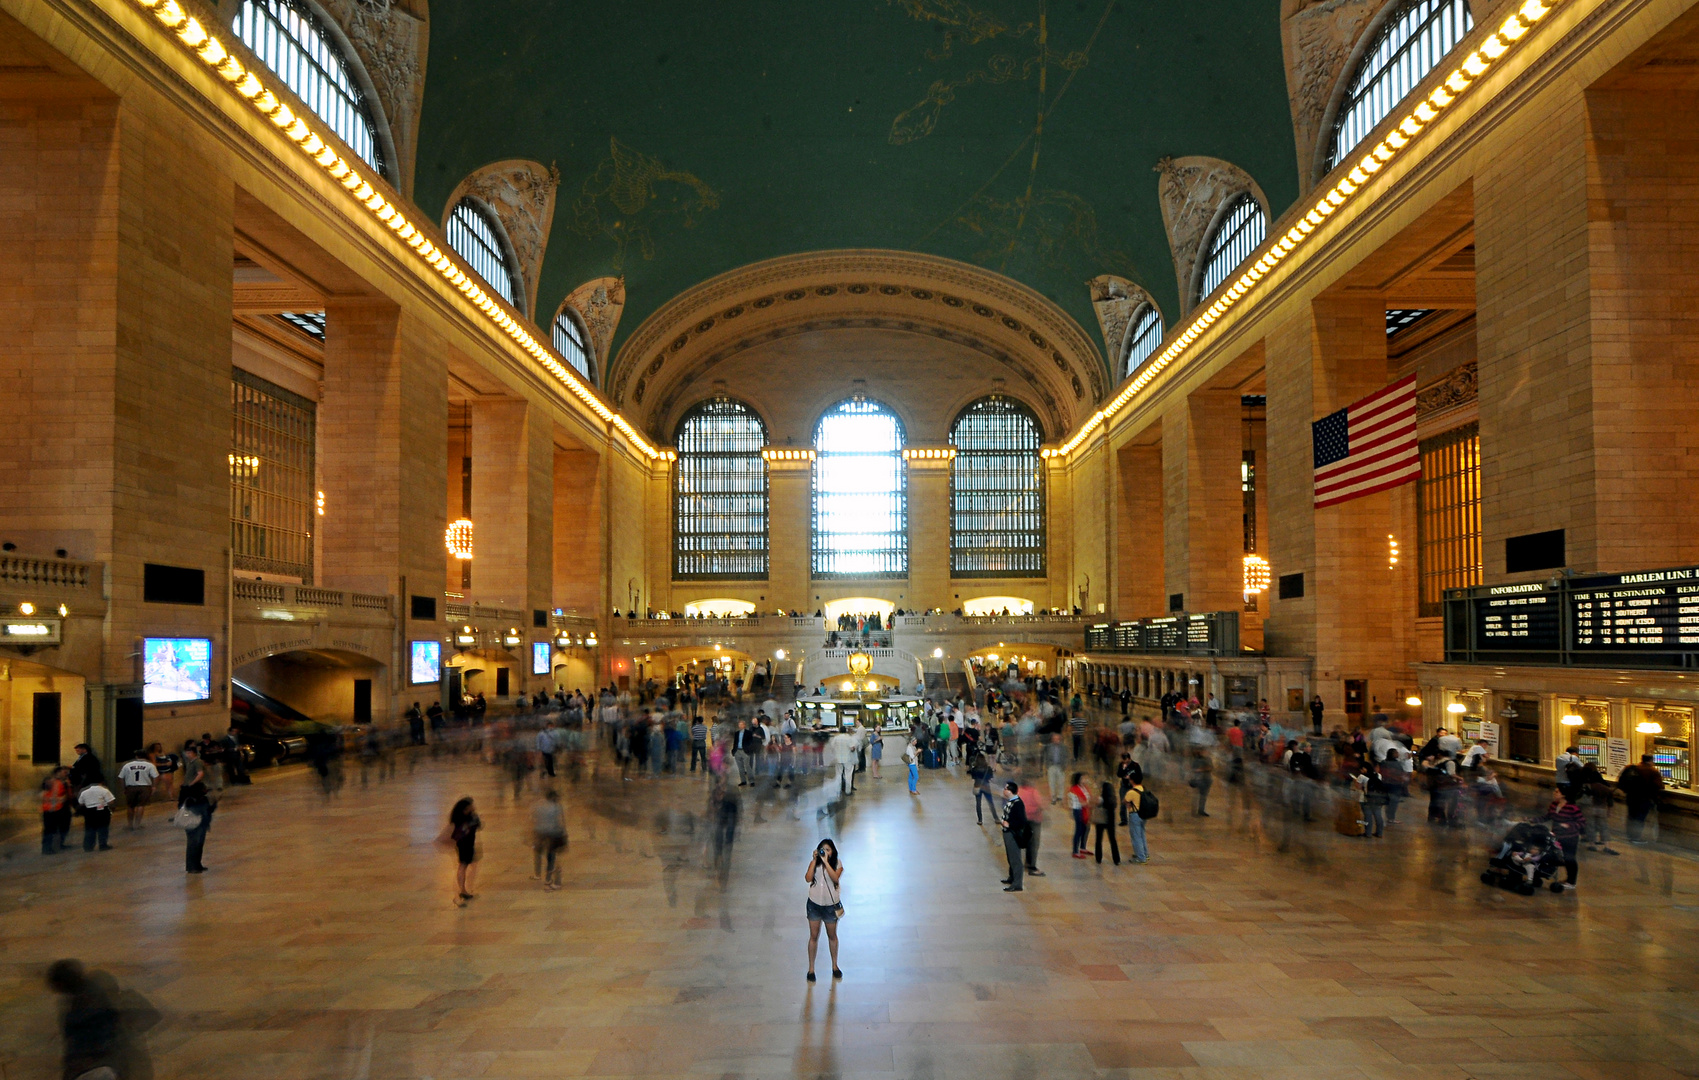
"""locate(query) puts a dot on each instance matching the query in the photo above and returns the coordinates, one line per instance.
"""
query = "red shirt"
(53, 795)
(1236, 736)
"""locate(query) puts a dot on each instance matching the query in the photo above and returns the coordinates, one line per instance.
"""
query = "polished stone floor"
(324, 943)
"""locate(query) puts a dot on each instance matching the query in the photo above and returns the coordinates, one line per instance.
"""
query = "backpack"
(1149, 807)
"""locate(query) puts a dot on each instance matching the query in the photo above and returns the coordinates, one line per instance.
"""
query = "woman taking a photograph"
(462, 835)
(825, 902)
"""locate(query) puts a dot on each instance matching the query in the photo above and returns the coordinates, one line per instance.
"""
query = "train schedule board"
(1517, 618)
(1653, 611)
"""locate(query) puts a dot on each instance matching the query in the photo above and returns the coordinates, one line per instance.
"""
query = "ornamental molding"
(868, 287)
(1319, 37)
(1116, 300)
(599, 302)
(1459, 386)
(1194, 192)
(685, 386)
(521, 194)
(389, 39)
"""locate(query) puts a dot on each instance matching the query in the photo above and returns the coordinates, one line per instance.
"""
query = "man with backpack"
(1142, 805)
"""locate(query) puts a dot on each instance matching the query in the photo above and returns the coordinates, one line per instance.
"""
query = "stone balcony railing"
(284, 595)
(23, 571)
(459, 612)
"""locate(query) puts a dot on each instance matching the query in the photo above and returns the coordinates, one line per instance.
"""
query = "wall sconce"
(1413, 701)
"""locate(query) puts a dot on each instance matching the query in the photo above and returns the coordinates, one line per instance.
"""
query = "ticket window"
(1671, 744)
(1523, 722)
(1591, 738)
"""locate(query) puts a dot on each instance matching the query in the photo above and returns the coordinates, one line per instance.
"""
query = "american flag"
(1369, 446)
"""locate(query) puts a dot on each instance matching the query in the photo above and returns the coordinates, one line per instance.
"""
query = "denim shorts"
(821, 913)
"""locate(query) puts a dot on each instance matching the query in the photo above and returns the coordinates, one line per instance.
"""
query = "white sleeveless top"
(823, 890)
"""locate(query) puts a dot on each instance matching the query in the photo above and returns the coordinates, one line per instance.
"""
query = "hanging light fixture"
(458, 538)
(1457, 708)
(1649, 727)
(1256, 575)
(1571, 720)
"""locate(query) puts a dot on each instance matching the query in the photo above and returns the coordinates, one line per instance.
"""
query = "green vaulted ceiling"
(695, 138)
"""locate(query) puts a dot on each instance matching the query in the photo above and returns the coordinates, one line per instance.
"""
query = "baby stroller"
(1527, 857)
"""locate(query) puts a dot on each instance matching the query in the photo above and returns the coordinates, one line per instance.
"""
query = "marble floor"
(323, 943)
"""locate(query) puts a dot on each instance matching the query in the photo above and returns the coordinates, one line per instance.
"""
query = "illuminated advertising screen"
(542, 658)
(425, 662)
(176, 669)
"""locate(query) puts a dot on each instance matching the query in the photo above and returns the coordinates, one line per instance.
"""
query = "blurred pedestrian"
(911, 758)
(55, 811)
(981, 772)
(548, 839)
(461, 834)
(1079, 808)
(1141, 806)
(1640, 785)
(1203, 778)
(94, 802)
(1568, 824)
(1103, 821)
(1035, 825)
(1016, 830)
(137, 776)
(875, 751)
(1599, 797)
(89, 1022)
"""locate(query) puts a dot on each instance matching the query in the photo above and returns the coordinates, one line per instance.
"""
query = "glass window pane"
(1145, 337)
(1410, 45)
(478, 239)
(1448, 507)
(996, 492)
(720, 493)
(272, 498)
(572, 342)
(860, 493)
(289, 38)
(1240, 233)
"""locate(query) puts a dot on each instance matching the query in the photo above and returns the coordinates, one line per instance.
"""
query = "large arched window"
(478, 237)
(1241, 230)
(860, 492)
(1412, 41)
(572, 342)
(289, 37)
(996, 492)
(1143, 338)
(720, 493)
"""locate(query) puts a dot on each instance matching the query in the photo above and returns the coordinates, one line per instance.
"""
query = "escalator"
(257, 712)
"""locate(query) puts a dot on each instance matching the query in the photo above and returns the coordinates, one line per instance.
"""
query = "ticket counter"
(1666, 733)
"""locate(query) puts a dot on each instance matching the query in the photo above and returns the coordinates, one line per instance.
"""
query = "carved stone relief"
(1192, 191)
(1319, 36)
(389, 38)
(599, 302)
(1459, 386)
(522, 194)
(1116, 301)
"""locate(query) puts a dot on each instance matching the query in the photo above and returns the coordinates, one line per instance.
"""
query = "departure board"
(1518, 618)
(1212, 633)
(1654, 611)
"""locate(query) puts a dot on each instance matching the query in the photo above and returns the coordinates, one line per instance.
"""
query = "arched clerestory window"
(477, 236)
(1143, 338)
(860, 492)
(291, 39)
(996, 492)
(572, 341)
(1238, 234)
(1413, 38)
(720, 493)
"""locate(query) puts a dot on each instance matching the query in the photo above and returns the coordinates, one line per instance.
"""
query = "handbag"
(188, 819)
(838, 906)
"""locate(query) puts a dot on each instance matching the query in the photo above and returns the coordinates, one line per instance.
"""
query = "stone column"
(929, 529)
(512, 451)
(382, 452)
(115, 308)
(790, 516)
(1202, 502)
(579, 562)
(1139, 532)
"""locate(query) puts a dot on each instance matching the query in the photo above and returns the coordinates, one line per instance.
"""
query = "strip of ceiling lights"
(248, 85)
(1490, 51)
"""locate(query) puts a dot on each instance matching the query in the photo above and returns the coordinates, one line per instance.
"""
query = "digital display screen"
(542, 658)
(424, 662)
(1650, 612)
(176, 669)
(1523, 622)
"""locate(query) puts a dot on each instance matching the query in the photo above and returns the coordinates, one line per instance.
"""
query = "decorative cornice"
(873, 282)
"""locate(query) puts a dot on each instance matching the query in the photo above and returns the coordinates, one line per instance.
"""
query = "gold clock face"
(860, 663)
